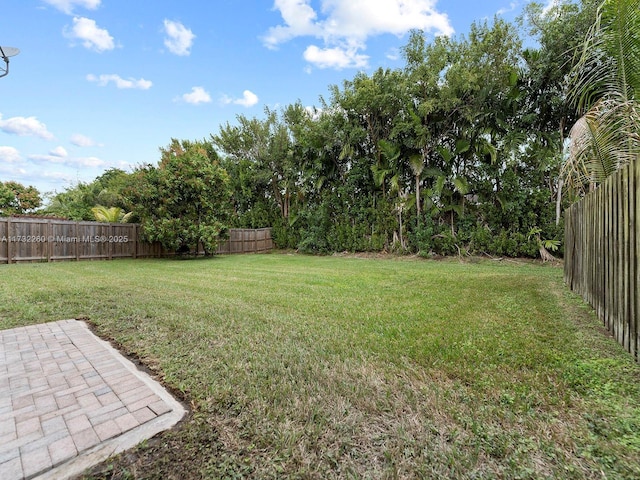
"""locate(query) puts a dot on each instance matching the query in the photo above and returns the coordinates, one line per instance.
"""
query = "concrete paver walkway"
(68, 401)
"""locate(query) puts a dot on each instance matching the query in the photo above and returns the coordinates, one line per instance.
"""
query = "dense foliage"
(15, 198)
(77, 202)
(184, 201)
(458, 151)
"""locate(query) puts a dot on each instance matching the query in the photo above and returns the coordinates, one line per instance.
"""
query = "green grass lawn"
(342, 367)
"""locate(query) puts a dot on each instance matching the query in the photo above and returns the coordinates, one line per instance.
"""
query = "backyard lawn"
(343, 367)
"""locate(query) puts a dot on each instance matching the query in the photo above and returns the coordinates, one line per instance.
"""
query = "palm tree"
(110, 215)
(417, 164)
(605, 84)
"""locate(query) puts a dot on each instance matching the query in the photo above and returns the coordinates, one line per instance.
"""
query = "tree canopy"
(184, 202)
(16, 199)
(461, 150)
(77, 202)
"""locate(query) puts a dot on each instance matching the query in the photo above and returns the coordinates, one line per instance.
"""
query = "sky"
(100, 84)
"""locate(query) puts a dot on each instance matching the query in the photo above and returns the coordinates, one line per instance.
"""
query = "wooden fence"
(245, 240)
(602, 245)
(49, 240)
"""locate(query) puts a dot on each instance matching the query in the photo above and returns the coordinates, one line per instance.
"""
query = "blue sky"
(106, 83)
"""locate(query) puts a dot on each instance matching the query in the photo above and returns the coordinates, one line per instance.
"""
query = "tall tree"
(425, 123)
(15, 198)
(559, 31)
(184, 202)
(267, 145)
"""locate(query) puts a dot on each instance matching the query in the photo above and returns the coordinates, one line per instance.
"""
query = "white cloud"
(12, 171)
(393, 54)
(512, 6)
(347, 24)
(25, 126)
(179, 38)
(120, 82)
(9, 154)
(57, 175)
(336, 57)
(88, 162)
(249, 99)
(73, 162)
(67, 6)
(197, 95)
(549, 6)
(299, 18)
(92, 36)
(47, 158)
(82, 141)
(59, 152)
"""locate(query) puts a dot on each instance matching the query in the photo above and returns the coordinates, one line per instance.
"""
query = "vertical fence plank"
(9, 252)
(609, 256)
(626, 260)
(635, 324)
(619, 258)
(633, 259)
(599, 254)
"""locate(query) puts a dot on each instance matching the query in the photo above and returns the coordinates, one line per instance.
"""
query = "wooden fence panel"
(243, 240)
(47, 240)
(602, 246)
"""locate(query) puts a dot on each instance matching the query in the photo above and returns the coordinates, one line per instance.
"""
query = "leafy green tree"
(547, 115)
(184, 202)
(445, 155)
(15, 198)
(267, 146)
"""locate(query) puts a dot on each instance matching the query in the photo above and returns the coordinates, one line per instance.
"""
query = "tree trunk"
(418, 198)
(559, 201)
(545, 255)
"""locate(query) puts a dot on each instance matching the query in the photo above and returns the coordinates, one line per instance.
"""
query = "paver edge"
(130, 439)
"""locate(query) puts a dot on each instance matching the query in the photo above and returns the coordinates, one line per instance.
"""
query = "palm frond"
(605, 84)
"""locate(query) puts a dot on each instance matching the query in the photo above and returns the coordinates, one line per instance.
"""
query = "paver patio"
(68, 400)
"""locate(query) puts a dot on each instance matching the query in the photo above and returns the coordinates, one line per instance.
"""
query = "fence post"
(110, 244)
(134, 236)
(635, 325)
(48, 239)
(9, 240)
(633, 260)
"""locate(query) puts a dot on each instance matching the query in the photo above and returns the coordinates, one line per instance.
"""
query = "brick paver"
(63, 392)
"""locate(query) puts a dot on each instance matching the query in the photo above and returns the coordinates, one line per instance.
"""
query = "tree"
(185, 201)
(77, 202)
(15, 198)
(267, 146)
(452, 151)
(110, 214)
(606, 87)
(560, 31)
